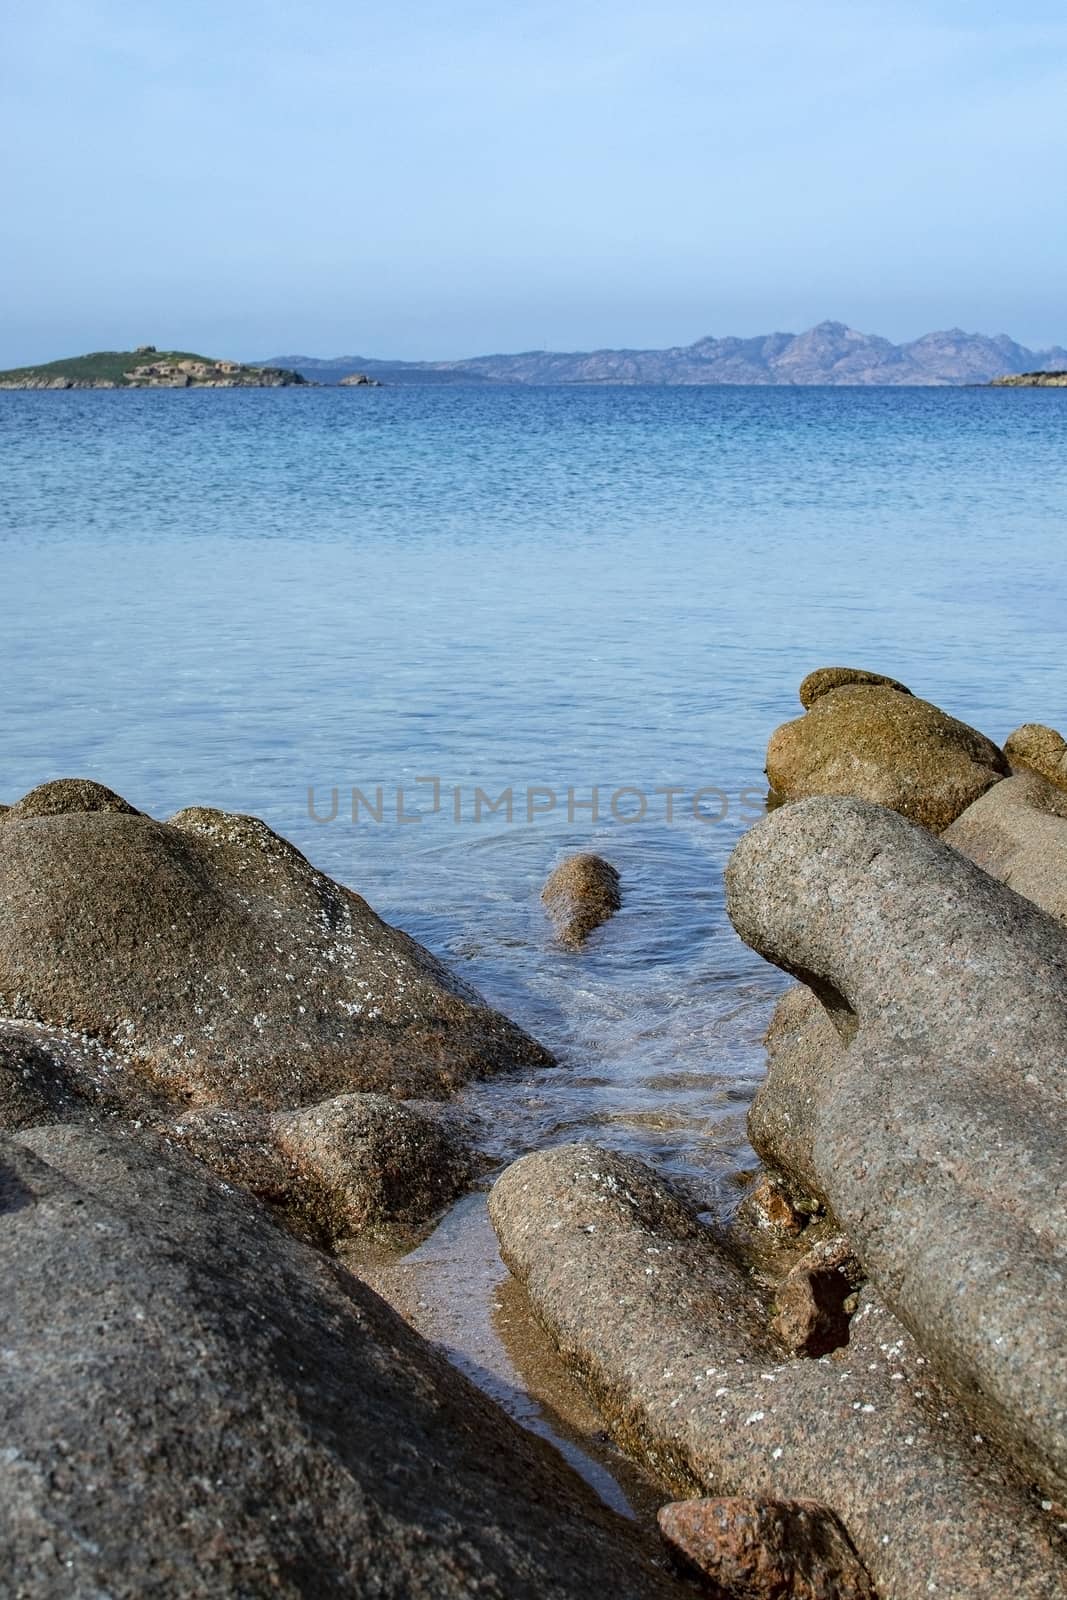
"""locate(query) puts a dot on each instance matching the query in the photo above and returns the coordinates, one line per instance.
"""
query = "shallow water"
(228, 598)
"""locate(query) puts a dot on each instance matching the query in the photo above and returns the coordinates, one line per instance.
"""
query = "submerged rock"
(195, 1404)
(762, 1549)
(882, 743)
(223, 967)
(1018, 832)
(935, 1127)
(662, 1323)
(1039, 749)
(580, 895)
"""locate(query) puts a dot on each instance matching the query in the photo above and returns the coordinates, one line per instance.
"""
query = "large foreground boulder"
(656, 1316)
(219, 965)
(877, 741)
(936, 1127)
(196, 1405)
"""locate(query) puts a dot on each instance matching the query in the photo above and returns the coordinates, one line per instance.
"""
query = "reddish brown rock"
(769, 1207)
(763, 1549)
(580, 895)
(816, 1299)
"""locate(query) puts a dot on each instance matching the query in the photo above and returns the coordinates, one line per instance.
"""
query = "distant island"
(831, 353)
(148, 368)
(1031, 380)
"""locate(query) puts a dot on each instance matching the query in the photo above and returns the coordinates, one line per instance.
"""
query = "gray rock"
(377, 1164)
(664, 1326)
(581, 894)
(802, 1049)
(937, 1130)
(62, 796)
(882, 744)
(761, 1549)
(223, 968)
(196, 1405)
(1018, 832)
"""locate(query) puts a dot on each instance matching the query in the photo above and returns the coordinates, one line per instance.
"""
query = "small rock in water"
(757, 1549)
(580, 895)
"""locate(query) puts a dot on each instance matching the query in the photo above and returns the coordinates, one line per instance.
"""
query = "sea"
(442, 637)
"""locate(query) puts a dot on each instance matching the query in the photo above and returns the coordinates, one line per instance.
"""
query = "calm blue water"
(227, 597)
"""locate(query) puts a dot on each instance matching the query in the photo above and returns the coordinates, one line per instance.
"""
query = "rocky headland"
(219, 1069)
(1031, 380)
(831, 353)
(148, 368)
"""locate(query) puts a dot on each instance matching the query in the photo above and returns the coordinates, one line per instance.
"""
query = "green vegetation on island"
(1031, 380)
(147, 368)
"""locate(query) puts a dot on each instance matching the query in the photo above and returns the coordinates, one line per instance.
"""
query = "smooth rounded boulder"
(221, 967)
(936, 1128)
(581, 894)
(823, 679)
(1017, 831)
(879, 742)
(1039, 749)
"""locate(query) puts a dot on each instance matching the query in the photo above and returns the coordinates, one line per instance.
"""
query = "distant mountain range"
(828, 354)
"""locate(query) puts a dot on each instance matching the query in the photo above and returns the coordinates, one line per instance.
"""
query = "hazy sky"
(261, 177)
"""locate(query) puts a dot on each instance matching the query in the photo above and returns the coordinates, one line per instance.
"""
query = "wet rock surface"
(663, 1324)
(196, 1404)
(884, 744)
(762, 1549)
(581, 894)
(935, 1128)
(1018, 832)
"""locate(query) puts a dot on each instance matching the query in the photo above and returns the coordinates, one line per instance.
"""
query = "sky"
(264, 177)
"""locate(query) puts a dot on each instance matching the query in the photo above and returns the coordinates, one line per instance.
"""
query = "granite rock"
(376, 1162)
(195, 1404)
(1039, 749)
(659, 1319)
(1017, 831)
(815, 1300)
(936, 1129)
(580, 895)
(823, 679)
(879, 743)
(763, 1549)
(223, 967)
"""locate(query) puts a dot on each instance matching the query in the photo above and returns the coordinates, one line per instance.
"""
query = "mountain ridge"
(830, 353)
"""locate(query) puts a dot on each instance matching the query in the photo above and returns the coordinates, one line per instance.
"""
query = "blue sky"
(447, 179)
